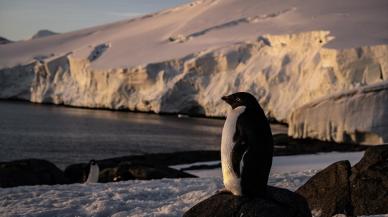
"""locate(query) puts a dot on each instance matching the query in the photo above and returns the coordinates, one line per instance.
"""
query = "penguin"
(246, 147)
(93, 172)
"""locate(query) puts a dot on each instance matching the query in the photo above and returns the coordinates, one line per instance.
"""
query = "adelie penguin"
(246, 146)
(94, 172)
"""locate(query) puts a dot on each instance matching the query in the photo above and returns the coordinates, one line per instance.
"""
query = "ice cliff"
(359, 116)
(184, 59)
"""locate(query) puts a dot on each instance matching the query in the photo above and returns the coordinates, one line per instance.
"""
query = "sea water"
(65, 135)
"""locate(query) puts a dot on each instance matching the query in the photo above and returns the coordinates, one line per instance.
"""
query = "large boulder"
(30, 172)
(328, 191)
(77, 173)
(369, 182)
(361, 190)
(278, 203)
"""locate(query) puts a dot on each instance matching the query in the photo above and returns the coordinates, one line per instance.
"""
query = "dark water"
(66, 135)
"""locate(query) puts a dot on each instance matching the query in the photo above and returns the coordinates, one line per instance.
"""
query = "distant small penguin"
(246, 146)
(93, 172)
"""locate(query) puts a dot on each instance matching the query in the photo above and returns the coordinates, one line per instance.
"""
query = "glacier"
(183, 60)
(356, 116)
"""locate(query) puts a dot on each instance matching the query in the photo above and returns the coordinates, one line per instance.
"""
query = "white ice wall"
(356, 116)
(182, 60)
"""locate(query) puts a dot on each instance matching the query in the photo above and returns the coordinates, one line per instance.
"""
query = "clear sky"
(20, 19)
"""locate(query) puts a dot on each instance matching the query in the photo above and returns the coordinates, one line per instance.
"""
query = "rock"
(77, 173)
(369, 182)
(127, 171)
(30, 172)
(280, 202)
(115, 170)
(4, 41)
(327, 192)
(43, 33)
(361, 190)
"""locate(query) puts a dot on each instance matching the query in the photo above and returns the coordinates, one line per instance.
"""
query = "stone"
(357, 191)
(327, 192)
(127, 171)
(30, 172)
(369, 182)
(113, 171)
(279, 202)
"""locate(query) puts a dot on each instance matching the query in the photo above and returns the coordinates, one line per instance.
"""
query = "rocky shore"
(144, 167)
(336, 190)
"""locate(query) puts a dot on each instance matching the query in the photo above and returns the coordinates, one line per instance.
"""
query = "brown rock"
(328, 192)
(127, 171)
(278, 203)
(369, 182)
(30, 172)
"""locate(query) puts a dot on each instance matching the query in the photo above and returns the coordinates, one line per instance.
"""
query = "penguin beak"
(227, 99)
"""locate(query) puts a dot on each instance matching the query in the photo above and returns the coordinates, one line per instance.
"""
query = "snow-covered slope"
(287, 53)
(358, 116)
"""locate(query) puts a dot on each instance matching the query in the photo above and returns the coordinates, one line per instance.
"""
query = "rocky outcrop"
(340, 189)
(127, 171)
(369, 183)
(357, 116)
(30, 172)
(43, 33)
(124, 171)
(278, 203)
(328, 191)
(4, 41)
(143, 167)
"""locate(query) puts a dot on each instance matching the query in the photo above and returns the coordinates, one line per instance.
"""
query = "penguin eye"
(238, 99)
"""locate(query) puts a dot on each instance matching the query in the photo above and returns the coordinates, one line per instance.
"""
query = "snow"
(356, 116)
(182, 60)
(166, 197)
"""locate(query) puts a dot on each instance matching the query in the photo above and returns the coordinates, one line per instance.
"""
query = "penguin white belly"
(231, 180)
(93, 174)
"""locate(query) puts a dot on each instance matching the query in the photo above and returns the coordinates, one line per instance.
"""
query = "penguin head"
(241, 99)
(92, 162)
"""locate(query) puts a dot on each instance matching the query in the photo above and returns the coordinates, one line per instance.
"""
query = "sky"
(20, 19)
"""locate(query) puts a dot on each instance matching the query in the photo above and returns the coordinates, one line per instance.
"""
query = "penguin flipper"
(239, 149)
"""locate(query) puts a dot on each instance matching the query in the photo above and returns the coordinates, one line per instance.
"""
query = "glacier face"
(284, 72)
(356, 116)
(184, 59)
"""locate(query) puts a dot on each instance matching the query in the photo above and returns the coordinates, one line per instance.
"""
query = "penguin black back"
(252, 151)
